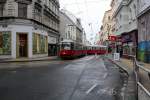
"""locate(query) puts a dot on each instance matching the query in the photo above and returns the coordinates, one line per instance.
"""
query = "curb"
(124, 69)
(15, 61)
(124, 88)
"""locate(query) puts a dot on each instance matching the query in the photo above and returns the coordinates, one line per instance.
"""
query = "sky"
(90, 12)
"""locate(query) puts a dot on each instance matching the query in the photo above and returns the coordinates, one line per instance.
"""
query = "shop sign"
(112, 38)
(52, 40)
(127, 38)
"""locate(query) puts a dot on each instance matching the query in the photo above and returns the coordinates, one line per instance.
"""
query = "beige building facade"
(106, 28)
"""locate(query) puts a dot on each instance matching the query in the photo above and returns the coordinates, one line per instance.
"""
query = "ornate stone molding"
(24, 1)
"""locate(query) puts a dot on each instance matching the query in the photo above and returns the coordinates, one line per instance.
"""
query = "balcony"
(24, 1)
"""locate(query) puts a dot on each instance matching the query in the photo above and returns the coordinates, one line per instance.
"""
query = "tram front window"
(66, 46)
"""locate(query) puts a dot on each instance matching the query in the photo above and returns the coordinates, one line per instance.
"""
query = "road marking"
(13, 72)
(94, 86)
(68, 66)
(103, 65)
(105, 75)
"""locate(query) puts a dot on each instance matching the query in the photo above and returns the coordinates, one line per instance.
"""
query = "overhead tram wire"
(77, 6)
(86, 7)
(74, 3)
(87, 14)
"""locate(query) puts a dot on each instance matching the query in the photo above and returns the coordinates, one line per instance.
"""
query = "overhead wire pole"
(89, 24)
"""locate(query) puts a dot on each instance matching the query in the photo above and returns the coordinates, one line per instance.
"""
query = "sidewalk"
(28, 59)
(144, 79)
(127, 65)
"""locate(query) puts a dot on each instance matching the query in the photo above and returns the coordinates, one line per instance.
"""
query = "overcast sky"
(90, 11)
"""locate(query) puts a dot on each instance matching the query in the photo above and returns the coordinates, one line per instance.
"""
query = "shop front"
(119, 48)
(22, 42)
(52, 46)
(129, 43)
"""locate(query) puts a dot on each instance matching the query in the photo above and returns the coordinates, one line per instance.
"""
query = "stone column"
(13, 44)
(30, 45)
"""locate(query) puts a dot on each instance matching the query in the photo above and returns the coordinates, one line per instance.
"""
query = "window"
(5, 43)
(40, 44)
(130, 14)
(22, 10)
(37, 12)
(109, 18)
(1, 10)
(1, 38)
(50, 5)
(120, 16)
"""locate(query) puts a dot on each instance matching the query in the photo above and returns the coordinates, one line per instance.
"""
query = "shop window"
(39, 44)
(1, 40)
(22, 10)
(5, 43)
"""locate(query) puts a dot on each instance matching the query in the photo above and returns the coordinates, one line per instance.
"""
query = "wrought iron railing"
(142, 79)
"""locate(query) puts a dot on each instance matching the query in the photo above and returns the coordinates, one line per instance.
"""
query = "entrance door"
(52, 50)
(22, 45)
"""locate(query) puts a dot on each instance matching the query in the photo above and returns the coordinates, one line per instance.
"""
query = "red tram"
(70, 49)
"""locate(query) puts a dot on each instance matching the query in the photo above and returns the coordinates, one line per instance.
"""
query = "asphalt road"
(88, 78)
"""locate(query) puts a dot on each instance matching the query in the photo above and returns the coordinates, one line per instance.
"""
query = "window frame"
(22, 9)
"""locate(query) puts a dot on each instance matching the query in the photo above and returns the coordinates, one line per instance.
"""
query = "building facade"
(106, 27)
(124, 14)
(144, 30)
(70, 27)
(28, 28)
(67, 27)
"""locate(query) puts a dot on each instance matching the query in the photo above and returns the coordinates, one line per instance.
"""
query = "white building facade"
(25, 28)
(124, 15)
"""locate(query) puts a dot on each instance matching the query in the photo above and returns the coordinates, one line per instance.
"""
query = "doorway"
(52, 49)
(22, 46)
